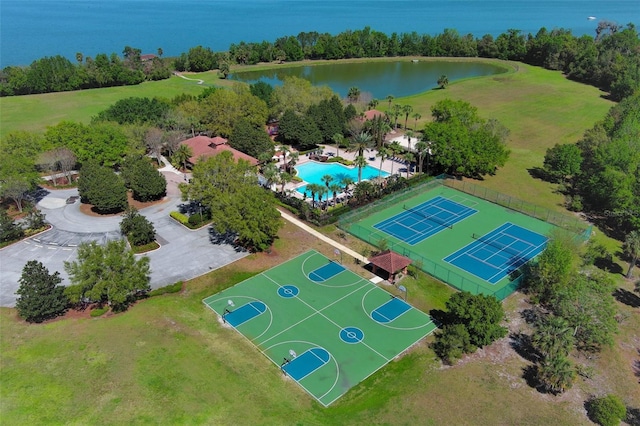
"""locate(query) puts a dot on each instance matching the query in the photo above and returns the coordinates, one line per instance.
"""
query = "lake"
(378, 78)
(32, 29)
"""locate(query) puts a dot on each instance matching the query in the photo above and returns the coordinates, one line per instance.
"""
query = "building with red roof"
(372, 113)
(204, 147)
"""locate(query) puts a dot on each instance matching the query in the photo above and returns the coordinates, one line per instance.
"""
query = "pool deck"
(391, 166)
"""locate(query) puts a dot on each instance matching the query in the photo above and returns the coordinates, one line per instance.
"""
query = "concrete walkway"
(307, 228)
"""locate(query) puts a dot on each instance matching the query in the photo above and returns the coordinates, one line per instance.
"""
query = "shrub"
(171, 288)
(183, 219)
(607, 411)
(98, 311)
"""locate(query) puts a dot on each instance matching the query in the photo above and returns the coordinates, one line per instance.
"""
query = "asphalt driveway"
(184, 254)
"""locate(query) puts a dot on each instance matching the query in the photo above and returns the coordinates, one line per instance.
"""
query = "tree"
(553, 336)
(182, 155)
(409, 158)
(631, 249)
(135, 110)
(334, 188)
(360, 162)
(563, 162)
(354, 94)
(101, 187)
(480, 314)
(262, 90)
(607, 411)
(107, 274)
(443, 81)
(422, 149)
(238, 205)
(15, 188)
(452, 342)
(416, 116)
(40, 297)
(406, 110)
(389, 99)
(555, 374)
(338, 139)
(383, 153)
(327, 179)
(9, 229)
(154, 140)
(137, 228)
(144, 180)
(462, 142)
(314, 188)
(588, 307)
(250, 139)
(552, 271)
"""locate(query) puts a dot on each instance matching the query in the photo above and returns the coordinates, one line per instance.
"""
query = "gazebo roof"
(390, 261)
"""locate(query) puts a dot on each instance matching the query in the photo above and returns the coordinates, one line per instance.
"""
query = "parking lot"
(184, 254)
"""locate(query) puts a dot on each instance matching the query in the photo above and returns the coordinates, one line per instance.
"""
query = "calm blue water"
(312, 172)
(31, 29)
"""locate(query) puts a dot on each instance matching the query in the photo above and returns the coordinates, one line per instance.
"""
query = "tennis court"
(495, 255)
(418, 223)
(467, 242)
(324, 326)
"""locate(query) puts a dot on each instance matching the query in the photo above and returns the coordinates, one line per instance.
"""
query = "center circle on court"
(288, 291)
(351, 335)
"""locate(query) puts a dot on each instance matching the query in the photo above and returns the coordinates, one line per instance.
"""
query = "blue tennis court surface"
(325, 272)
(495, 255)
(424, 220)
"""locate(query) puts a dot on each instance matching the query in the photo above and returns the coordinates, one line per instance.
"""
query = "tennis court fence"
(438, 271)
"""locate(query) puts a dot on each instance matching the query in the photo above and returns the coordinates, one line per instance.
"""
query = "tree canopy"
(238, 205)
(102, 187)
(107, 274)
(462, 142)
(40, 297)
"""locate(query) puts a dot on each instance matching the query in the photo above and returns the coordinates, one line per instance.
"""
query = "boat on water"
(591, 18)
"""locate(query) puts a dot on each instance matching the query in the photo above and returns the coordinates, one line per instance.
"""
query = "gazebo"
(391, 263)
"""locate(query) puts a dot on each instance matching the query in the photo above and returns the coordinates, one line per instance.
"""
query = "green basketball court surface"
(324, 326)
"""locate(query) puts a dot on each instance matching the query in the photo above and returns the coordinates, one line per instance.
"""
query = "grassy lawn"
(168, 361)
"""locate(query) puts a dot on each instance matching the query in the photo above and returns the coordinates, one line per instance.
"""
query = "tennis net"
(432, 218)
(496, 244)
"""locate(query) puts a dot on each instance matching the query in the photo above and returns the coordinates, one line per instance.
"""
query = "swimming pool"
(312, 172)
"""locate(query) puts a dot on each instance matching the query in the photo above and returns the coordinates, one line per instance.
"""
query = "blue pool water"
(312, 172)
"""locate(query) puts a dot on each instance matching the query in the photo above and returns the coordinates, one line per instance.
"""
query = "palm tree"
(79, 57)
(322, 191)
(284, 150)
(406, 109)
(553, 337)
(383, 153)
(631, 249)
(556, 374)
(314, 189)
(389, 99)
(182, 155)
(293, 160)
(284, 179)
(443, 81)
(395, 111)
(327, 179)
(372, 104)
(345, 182)
(360, 142)
(354, 94)
(335, 189)
(338, 139)
(409, 135)
(416, 116)
(394, 149)
(421, 149)
(409, 158)
(270, 173)
(360, 163)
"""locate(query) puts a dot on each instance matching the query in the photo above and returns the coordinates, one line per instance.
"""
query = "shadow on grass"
(633, 416)
(521, 343)
(627, 297)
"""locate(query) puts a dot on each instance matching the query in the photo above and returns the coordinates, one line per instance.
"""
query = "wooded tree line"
(610, 60)
(59, 74)
(601, 173)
